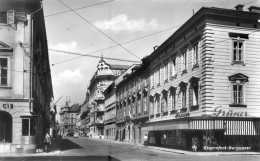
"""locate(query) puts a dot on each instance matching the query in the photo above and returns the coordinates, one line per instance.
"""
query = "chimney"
(239, 7)
(155, 47)
(254, 9)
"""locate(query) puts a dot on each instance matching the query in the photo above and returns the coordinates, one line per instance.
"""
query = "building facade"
(106, 73)
(69, 116)
(204, 89)
(110, 112)
(25, 80)
(132, 104)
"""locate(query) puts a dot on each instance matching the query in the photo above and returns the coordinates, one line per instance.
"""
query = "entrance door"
(5, 127)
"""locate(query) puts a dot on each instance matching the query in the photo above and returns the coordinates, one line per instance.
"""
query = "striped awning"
(206, 124)
(230, 127)
(242, 127)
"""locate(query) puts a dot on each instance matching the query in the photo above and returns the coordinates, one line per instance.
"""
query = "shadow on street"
(60, 158)
(64, 144)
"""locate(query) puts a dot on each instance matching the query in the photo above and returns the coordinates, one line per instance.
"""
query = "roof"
(118, 66)
(212, 13)
(29, 5)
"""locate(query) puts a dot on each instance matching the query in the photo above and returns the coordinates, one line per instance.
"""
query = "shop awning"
(206, 124)
(171, 125)
(242, 128)
(230, 127)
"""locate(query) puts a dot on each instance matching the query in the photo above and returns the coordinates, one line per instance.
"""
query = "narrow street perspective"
(129, 80)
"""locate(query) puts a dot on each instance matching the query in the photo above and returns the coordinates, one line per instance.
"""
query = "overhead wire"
(112, 46)
(79, 8)
(88, 55)
(99, 30)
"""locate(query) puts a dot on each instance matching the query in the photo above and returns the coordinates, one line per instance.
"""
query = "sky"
(120, 20)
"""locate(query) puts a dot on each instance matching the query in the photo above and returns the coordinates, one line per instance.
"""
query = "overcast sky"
(122, 20)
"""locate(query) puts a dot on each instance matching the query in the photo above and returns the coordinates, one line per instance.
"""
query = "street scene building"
(103, 77)
(25, 80)
(132, 104)
(69, 116)
(196, 91)
(203, 91)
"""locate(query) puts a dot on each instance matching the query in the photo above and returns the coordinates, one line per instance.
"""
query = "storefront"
(206, 134)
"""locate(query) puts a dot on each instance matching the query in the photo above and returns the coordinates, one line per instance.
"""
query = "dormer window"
(238, 82)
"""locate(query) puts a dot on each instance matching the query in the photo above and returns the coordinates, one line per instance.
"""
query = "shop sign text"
(7, 106)
(220, 112)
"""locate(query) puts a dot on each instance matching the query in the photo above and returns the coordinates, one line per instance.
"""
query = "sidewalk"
(180, 151)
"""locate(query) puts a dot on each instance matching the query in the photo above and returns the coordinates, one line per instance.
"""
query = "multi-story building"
(132, 104)
(110, 112)
(69, 119)
(204, 83)
(106, 73)
(25, 80)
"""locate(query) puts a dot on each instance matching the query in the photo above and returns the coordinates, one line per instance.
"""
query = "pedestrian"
(47, 142)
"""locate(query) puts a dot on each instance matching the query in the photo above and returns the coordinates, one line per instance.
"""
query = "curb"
(179, 151)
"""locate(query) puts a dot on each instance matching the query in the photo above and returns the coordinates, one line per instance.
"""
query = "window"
(166, 72)
(162, 74)
(164, 102)
(238, 47)
(25, 127)
(194, 94)
(173, 99)
(184, 98)
(238, 94)
(3, 17)
(28, 127)
(158, 77)
(3, 71)
(151, 105)
(238, 82)
(184, 62)
(172, 67)
(195, 56)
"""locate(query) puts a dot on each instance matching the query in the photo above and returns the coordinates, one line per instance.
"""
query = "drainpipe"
(31, 65)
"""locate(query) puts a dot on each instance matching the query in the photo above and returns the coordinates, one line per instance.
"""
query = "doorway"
(5, 127)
